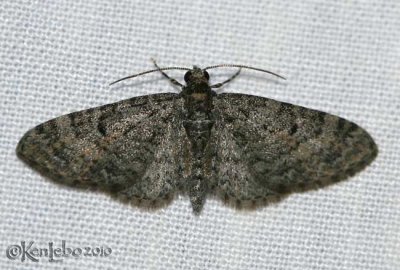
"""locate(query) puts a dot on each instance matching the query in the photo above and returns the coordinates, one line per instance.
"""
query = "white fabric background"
(342, 57)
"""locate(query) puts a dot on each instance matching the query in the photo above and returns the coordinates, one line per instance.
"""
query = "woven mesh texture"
(342, 57)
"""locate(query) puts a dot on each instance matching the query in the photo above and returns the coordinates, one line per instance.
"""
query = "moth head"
(196, 75)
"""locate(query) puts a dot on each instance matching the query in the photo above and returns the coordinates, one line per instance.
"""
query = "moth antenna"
(146, 72)
(246, 67)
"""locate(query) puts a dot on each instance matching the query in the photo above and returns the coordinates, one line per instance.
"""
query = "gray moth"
(245, 149)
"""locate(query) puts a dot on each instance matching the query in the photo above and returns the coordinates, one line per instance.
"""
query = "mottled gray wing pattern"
(268, 148)
(134, 148)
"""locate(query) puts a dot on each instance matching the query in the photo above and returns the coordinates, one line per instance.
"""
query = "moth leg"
(218, 85)
(172, 80)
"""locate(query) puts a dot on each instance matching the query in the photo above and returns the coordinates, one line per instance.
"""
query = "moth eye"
(206, 75)
(187, 76)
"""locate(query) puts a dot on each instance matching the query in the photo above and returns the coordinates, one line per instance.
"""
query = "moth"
(245, 149)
